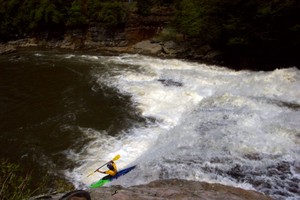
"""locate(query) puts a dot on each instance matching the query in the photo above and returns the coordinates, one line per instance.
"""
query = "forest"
(250, 27)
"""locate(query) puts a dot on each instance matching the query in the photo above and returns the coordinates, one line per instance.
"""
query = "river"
(66, 113)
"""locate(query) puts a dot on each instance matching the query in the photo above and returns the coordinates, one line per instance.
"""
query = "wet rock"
(170, 82)
(73, 195)
(169, 47)
(213, 55)
(76, 195)
(26, 42)
(6, 49)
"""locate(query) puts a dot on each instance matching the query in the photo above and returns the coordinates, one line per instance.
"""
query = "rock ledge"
(176, 189)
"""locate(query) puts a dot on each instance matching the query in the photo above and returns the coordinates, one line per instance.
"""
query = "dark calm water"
(66, 113)
(44, 100)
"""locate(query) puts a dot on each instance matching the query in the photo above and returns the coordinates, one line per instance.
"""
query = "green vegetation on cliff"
(26, 17)
(253, 27)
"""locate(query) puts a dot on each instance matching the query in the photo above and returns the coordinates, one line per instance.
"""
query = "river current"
(68, 113)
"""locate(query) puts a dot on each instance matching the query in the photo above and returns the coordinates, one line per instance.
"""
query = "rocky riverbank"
(150, 34)
(162, 48)
(163, 189)
(143, 34)
(152, 46)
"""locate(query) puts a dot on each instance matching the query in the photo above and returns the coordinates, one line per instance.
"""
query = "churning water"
(173, 119)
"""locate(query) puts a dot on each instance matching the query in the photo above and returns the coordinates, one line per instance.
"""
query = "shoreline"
(151, 47)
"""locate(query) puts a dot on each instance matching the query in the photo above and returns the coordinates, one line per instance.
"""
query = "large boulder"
(169, 47)
(176, 189)
(147, 47)
(160, 189)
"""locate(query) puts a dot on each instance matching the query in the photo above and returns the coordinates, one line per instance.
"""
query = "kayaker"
(112, 170)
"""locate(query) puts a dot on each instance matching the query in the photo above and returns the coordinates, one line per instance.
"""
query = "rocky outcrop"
(140, 35)
(161, 190)
(6, 49)
(176, 189)
(147, 47)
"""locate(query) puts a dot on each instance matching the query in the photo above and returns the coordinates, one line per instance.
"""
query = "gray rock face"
(160, 190)
(147, 47)
(175, 189)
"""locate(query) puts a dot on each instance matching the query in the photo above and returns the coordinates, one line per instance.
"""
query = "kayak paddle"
(114, 159)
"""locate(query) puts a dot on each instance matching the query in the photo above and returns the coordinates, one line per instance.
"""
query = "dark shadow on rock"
(76, 195)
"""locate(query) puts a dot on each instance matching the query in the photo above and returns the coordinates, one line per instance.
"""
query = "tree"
(144, 6)
(76, 15)
(255, 25)
(44, 15)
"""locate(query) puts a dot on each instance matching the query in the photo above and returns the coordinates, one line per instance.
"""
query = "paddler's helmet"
(110, 166)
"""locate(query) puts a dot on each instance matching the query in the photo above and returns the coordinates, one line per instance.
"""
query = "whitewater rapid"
(206, 123)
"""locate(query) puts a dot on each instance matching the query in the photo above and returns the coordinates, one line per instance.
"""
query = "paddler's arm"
(101, 171)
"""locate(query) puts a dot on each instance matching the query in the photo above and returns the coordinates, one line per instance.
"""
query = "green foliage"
(188, 17)
(94, 6)
(6, 9)
(13, 186)
(168, 34)
(21, 17)
(112, 14)
(239, 24)
(76, 15)
(280, 19)
(144, 6)
(255, 25)
(45, 14)
(62, 185)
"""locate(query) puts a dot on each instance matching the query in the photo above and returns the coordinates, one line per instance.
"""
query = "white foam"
(38, 54)
(69, 56)
(208, 123)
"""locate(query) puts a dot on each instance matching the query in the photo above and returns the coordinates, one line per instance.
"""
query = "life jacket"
(112, 169)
